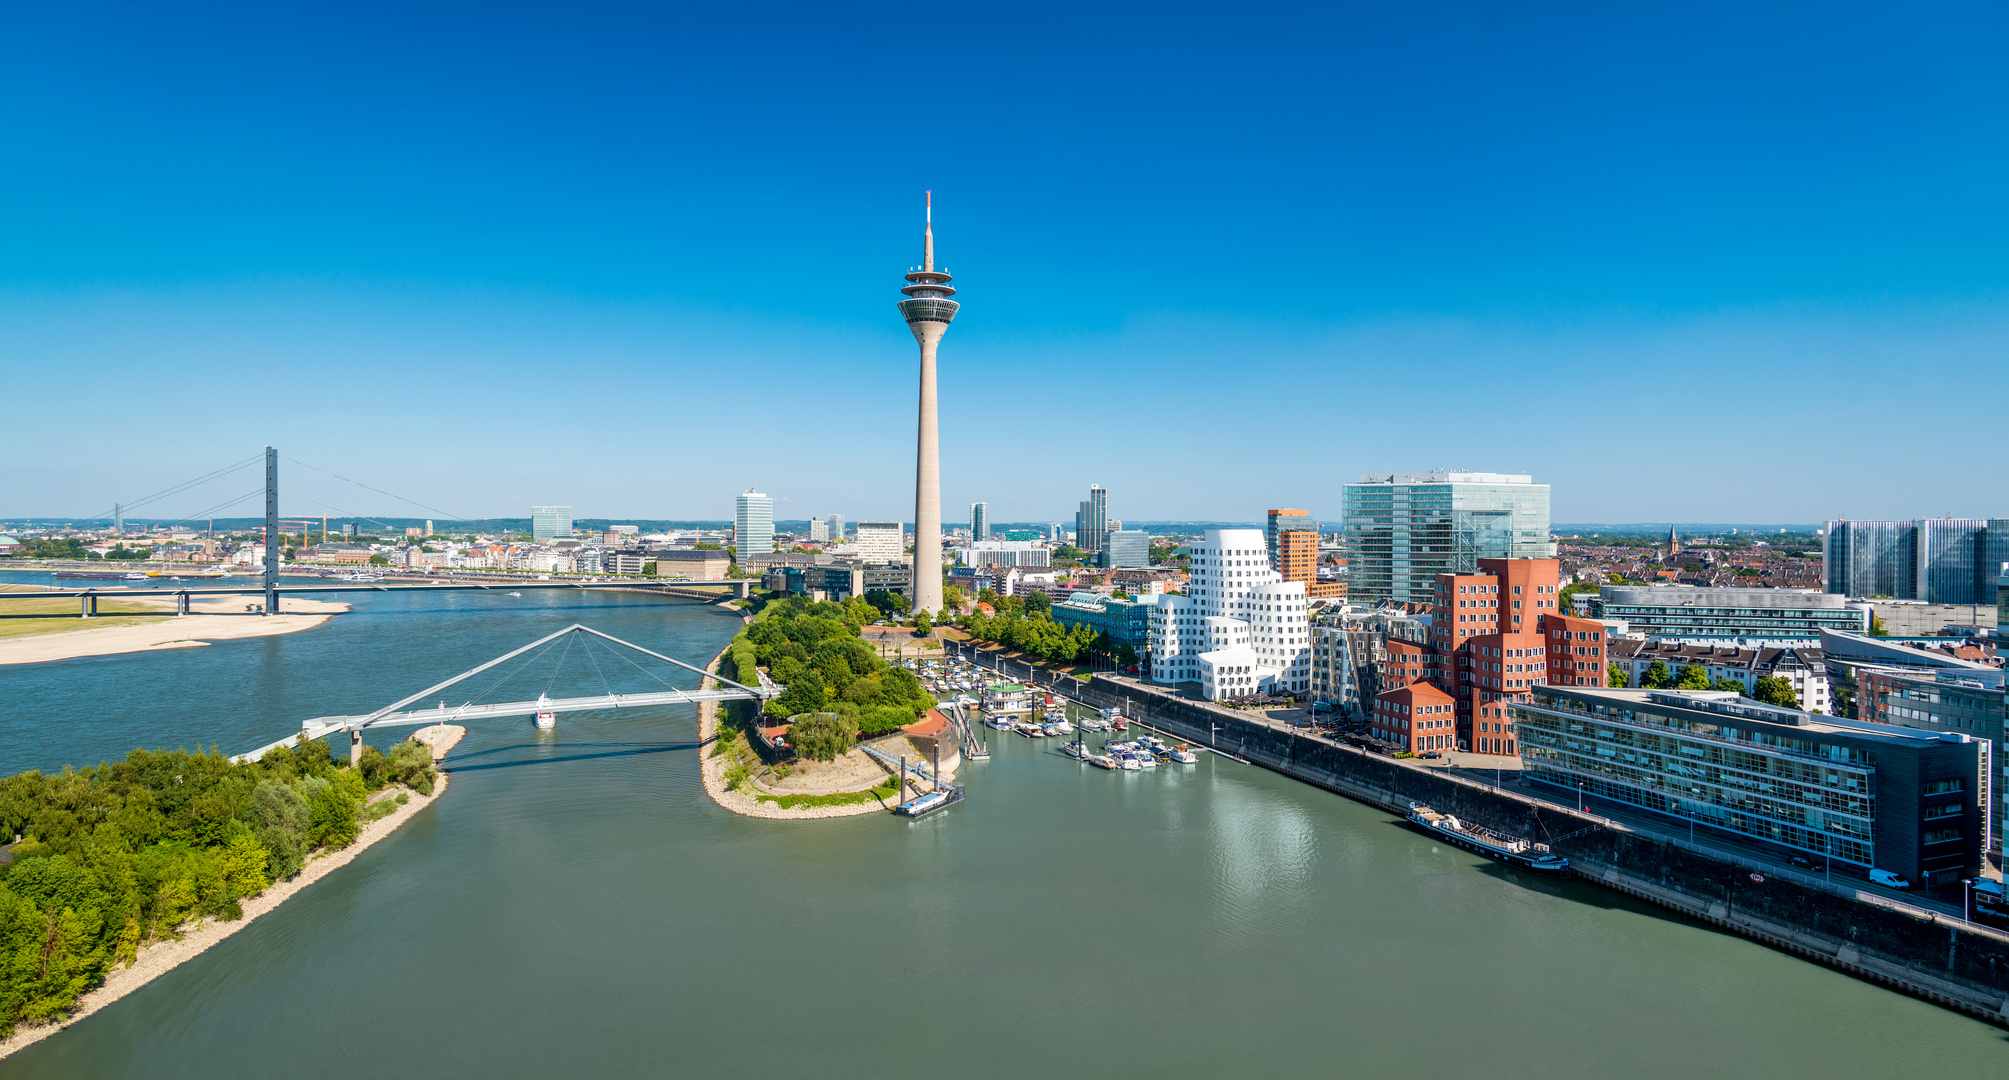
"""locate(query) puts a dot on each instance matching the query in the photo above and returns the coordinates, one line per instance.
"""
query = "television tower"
(928, 310)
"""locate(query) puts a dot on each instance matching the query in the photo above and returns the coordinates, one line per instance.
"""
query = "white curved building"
(1240, 629)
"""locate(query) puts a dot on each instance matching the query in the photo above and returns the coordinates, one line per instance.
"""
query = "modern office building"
(1846, 656)
(1343, 660)
(1240, 629)
(879, 543)
(1403, 529)
(1281, 521)
(692, 563)
(1416, 718)
(1126, 547)
(1024, 534)
(1296, 558)
(1005, 553)
(1917, 803)
(980, 521)
(819, 531)
(1729, 616)
(1091, 519)
(1937, 560)
(835, 523)
(928, 311)
(1127, 622)
(1941, 701)
(550, 522)
(752, 525)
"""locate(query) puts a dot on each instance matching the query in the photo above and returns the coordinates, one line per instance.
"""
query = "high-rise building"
(550, 522)
(752, 525)
(1937, 560)
(928, 311)
(1404, 529)
(1279, 521)
(819, 531)
(1053, 532)
(879, 542)
(1091, 520)
(1297, 560)
(980, 522)
(1126, 547)
(835, 523)
(1239, 629)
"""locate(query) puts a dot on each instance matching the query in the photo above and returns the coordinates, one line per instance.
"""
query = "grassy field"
(58, 615)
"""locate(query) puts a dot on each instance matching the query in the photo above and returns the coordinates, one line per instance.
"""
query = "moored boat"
(546, 719)
(923, 805)
(1511, 850)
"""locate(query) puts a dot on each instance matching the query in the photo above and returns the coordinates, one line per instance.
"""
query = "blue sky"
(1702, 262)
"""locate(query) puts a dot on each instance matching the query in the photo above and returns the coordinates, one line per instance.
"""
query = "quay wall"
(1940, 961)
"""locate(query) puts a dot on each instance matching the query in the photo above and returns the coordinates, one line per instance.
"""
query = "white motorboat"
(1182, 755)
(546, 719)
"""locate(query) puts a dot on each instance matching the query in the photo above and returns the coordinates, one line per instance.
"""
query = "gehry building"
(1240, 629)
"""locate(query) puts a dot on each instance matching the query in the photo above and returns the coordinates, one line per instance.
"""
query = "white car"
(1888, 880)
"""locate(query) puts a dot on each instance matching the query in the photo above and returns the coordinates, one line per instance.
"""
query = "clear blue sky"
(1694, 262)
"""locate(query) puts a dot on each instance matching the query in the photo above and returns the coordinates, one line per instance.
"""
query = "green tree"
(923, 624)
(1656, 677)
(1038, 603)
(1693, 677)
(379, 560)
(1721, 683)
(820, 736)
(953, 596)
(1876, 627)
(1776, 690)
(1616, 676)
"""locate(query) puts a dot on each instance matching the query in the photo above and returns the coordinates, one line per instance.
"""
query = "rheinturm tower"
(928, 310)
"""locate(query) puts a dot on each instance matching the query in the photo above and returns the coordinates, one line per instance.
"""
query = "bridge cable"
(337, 509)
(506, 676)
(560, 666)
(638, 667)
(211, 512)
(591, 659)
(378, 490)
(177, 488)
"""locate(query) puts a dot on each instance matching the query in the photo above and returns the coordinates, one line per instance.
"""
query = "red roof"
(929, 725)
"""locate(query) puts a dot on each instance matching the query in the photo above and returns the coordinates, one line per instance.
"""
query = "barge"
(1511, 850)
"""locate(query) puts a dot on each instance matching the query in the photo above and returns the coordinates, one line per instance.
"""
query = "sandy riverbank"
(206, 623)
(161, 957)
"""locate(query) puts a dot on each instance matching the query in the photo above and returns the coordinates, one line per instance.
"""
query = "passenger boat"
(1483, 841)
(546, 719)
(923, 805)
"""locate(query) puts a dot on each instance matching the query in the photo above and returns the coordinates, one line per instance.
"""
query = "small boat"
(518, 595)
(1060, 727)
(1103, 761)
(1511, 850)
(1073, 748)
(1128, 762)
(1182, 755)
(134, 576)
(1117, 723)
(997, 722)
(923, 805)
(546, 719)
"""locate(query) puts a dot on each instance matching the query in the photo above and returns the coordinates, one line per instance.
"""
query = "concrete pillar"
(355, 747)
(84, 607)
(181, 603)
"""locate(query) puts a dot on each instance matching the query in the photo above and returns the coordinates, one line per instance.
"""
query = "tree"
(1721, 683)
(953, 596)
(648, 569)
(820, 736)
(1776, 690)
(1693, 677)
(1656, 677)
(988, 596)
(1876, 627)
(923, 625)
(1615, 676)
(379, 560)
(1038, 603)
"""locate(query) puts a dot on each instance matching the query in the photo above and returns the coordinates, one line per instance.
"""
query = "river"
(577, 906)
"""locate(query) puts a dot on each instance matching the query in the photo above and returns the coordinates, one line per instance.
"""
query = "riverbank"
(161, 957)
(220, 619)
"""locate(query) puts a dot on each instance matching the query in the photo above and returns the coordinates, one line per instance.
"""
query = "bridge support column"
(84, 607)
(743, 589)
(355, 747)
(181, 603)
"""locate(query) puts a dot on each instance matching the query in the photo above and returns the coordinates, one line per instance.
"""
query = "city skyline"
(1785, 214)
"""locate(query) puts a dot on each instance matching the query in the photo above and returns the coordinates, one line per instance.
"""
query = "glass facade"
(550, 522)
(1401, 531)
(753, 525)
(1760, 613)
(1785, 787)
(980, 521)
(1127, 547)
(1091, 520)
(1937, 560)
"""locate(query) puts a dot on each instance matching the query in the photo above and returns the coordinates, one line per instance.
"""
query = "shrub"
(820, 736)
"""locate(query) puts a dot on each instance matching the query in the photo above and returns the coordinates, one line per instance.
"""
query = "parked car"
(1803, 863)
(1888, 880)
(1431, 754)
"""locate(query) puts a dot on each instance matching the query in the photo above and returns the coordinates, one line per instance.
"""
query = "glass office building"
(1937, 560)
(1704, 614)
(980, 521)
(1091, 519)
(1403, 529)
(1126, 547)
(550, 522)
(1913, 802)
(752, 525)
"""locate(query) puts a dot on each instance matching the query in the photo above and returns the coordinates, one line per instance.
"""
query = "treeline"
(1027, 625)
(106, 859)
(1770, 689)
(814, 649)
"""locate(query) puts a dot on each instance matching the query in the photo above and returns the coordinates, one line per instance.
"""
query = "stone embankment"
(1942, 961)
(159, 958)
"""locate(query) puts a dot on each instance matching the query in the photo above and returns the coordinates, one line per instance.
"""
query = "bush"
(820, 736)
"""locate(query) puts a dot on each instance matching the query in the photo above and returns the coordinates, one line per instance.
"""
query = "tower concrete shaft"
(928, 311)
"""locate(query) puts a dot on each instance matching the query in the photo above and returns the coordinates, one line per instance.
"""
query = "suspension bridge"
(399, 713)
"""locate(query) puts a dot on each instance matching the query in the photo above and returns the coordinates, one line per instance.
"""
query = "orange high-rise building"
(1297, 560)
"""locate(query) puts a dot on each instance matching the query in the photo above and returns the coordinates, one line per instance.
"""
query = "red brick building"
(1494, 636)
(1416, 718)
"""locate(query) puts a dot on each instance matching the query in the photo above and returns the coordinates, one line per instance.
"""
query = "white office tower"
(1240, 629)
(819, 530)
(879, 543)
(752, 526)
